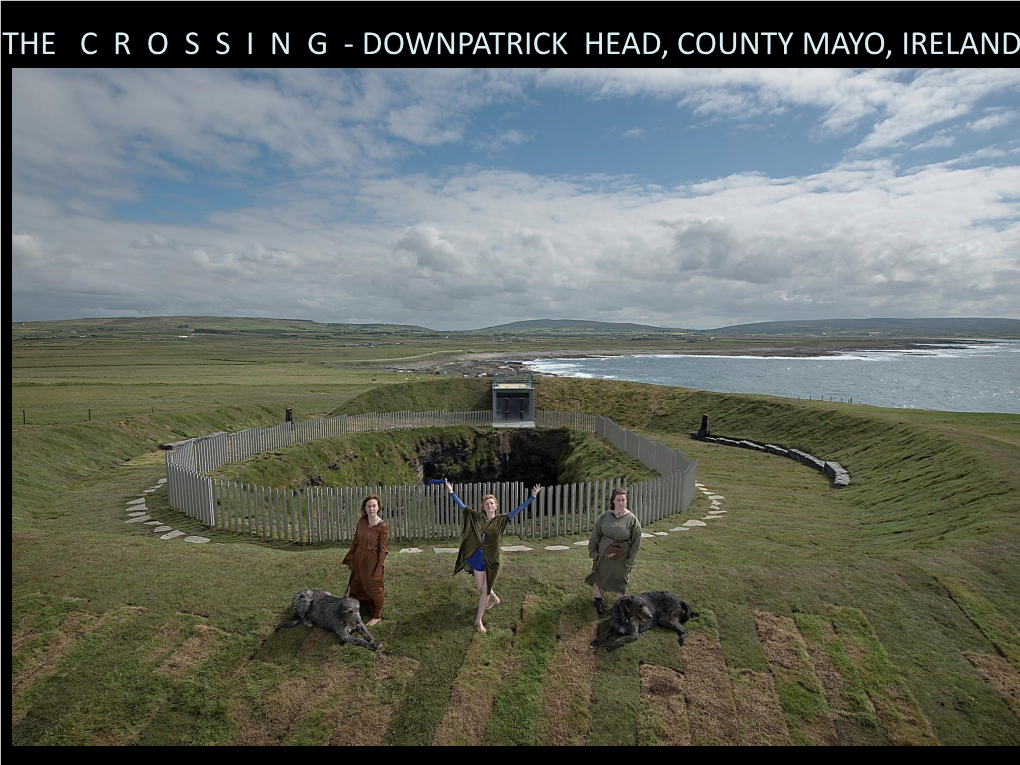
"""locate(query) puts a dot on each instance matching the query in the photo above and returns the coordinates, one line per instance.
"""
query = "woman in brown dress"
(366, 558)
(614, 547)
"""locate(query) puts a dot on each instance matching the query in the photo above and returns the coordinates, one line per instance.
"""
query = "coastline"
(474, 363)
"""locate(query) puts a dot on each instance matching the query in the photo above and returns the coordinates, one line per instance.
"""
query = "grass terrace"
(881, 613)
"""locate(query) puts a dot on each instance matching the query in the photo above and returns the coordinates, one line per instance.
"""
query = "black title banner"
(501, 34)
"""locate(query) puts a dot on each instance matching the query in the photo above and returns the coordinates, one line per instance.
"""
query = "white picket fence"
(326, 514)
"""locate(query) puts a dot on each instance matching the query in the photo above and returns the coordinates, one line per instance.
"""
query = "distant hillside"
(301, 328)
(217, 325)
(574, 325)
(892, 327)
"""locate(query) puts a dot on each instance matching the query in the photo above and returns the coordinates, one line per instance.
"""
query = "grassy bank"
(890, 593)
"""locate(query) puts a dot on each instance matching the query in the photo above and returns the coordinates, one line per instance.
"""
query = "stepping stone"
(646, 536)
(411, 550)
(518, 548)
(557, 547)
(154, 523)
(139, 512)
(694, 523)
(578, 544)
(450, 550)
(139, 519)
(161, 481)
(716, 503)
(139, 501)
(148, 491)
(661, 534)
(716, 496)
(162, 529)
(699, 485)
(717, 512)
(173, 535)
(710, 517)
(196, 540)
(680, 528)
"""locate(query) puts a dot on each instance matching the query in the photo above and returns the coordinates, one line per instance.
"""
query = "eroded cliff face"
(463, 454)
(516, 455)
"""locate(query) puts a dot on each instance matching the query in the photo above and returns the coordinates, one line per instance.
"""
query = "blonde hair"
(492, 497)
(364, 513)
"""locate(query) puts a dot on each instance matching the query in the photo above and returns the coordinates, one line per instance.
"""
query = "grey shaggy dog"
(634, 614)
(339, 615)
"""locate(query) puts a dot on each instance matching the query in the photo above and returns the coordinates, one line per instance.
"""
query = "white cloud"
(494, 144)
(634, 133)
(153, 241)
(26, 248)
(940, 140)
(342, 235)
(995, 118)
(898, 103)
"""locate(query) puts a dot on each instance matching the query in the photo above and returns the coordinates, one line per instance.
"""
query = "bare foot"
(372, 622)
(481, 627)
(493, 601)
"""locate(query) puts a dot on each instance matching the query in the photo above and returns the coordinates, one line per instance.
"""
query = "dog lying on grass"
(634, 614)
(339, 615)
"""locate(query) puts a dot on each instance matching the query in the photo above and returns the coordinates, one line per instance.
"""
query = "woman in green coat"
(614, 547)
(481, 535)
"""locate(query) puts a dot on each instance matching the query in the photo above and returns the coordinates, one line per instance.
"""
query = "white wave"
(733, 356)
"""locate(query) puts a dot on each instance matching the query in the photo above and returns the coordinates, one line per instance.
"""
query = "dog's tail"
(686, 612)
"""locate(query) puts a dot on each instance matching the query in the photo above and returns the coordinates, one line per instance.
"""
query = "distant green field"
(885, 612)
(130, 367)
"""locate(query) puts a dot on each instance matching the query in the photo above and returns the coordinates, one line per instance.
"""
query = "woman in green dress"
(614, 547)
(481, 536)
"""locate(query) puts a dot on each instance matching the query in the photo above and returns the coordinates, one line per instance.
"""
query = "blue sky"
(455, 199)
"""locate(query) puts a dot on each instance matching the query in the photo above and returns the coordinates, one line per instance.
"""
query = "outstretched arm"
(449, 488)
(534, 493)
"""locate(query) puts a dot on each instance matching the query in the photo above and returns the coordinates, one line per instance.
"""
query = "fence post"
(210, 504)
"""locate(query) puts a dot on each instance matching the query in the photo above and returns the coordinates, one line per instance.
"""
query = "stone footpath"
(715, 512)
(139, 513)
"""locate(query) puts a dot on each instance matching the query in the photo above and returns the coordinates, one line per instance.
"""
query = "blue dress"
(477, 561)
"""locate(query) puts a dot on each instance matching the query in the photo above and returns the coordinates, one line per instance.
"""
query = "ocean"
(972, 377)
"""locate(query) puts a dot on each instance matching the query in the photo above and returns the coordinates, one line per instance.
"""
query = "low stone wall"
(836, 472)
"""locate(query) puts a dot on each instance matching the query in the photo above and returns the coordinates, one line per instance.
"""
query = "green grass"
(451, 395)
(993, 626)
(896, 706)
(391, 458)
(934, 495)
(913, 485)
(517, 706)
(818, 630)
